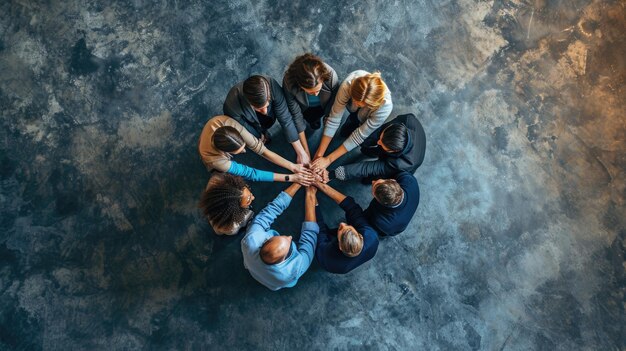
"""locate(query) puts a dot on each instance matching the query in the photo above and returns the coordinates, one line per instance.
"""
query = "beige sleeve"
(251, 141)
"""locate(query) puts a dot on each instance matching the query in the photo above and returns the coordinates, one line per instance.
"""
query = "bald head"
(275, 249)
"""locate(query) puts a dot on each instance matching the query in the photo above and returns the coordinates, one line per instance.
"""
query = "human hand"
(303, 158)
(304, 178)
(320, 163)
(325, 176)
(298, 168)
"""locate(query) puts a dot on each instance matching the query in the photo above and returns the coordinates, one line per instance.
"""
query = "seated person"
(256, 103)
(399, 145)
(310, 86)
(225, 203)
(355, 242)
(222, 137)
(366, 97)
(394, 204)
(273, 259)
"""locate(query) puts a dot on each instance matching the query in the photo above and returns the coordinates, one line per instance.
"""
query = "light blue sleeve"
(268, 215)
(250, 173)
(306, 245)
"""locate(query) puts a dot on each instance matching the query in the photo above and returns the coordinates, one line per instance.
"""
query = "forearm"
(281, 177)
(309, 207)
(304, 142)
(297, 146)
(278, 160)
(250, 173)
(293, 189)
(332, 193)
(340, 151)
(321, 150)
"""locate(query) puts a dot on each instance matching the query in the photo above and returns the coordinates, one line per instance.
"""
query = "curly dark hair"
(221, 200)
(307, 71)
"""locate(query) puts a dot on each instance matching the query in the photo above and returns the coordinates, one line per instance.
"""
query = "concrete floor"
(518, 242)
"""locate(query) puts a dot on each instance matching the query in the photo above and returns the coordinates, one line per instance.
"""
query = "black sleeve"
(366, 169)
(232, 108)
(354, 213)
(294, 107)
(282, 112)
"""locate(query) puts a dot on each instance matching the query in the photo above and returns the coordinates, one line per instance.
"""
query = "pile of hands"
(313, 173)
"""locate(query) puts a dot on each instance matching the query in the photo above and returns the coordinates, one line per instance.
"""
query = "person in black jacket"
(399, 145)
(256, 103)
(394, 204)
(355, 242)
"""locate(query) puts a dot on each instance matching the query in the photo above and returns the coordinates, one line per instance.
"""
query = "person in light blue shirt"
(272, 259)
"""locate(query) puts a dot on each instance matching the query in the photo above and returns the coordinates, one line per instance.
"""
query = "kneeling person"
(394, 204)
(273, 259)
(355, 242)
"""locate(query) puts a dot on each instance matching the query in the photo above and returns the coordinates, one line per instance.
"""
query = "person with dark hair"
(394, 204)
(222, 137)
(256, 103)
(353, 243)
(310, 86)
(225, 203)
(272, 259)
(399, 145)
(366, 96)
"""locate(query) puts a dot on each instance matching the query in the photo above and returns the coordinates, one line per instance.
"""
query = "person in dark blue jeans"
(394, 204)
(355, 242)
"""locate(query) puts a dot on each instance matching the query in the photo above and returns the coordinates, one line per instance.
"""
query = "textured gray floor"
(518, 242)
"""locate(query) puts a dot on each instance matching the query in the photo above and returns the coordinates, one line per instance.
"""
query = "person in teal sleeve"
(222, 137)
(272, 259)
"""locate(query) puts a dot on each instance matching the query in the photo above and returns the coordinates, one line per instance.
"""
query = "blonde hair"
(351, 243)
(369, 89)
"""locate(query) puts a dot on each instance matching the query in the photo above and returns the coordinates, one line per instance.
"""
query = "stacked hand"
(304, 176)
(320, 163)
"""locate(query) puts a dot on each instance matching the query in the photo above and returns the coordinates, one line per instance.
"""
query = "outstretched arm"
(308, 235)
(330, 192)
(268, 215)
(364, 169)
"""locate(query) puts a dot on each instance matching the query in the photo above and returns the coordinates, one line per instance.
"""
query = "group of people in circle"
(311, 96)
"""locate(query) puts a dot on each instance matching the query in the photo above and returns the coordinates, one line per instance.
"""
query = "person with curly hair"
(226, 203)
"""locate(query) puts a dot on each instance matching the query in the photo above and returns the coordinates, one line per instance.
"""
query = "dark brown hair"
(388, 192)
(256, 89)
(221, 200)
(307, 71)
(227, 139)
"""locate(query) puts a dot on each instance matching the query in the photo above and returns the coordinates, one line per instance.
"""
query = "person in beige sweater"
(222, 137)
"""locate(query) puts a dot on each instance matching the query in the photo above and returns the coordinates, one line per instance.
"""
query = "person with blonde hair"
(368, 100)
(353, 243)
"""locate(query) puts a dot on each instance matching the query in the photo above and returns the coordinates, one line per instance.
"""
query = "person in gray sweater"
(256, 103)
(368, 100)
